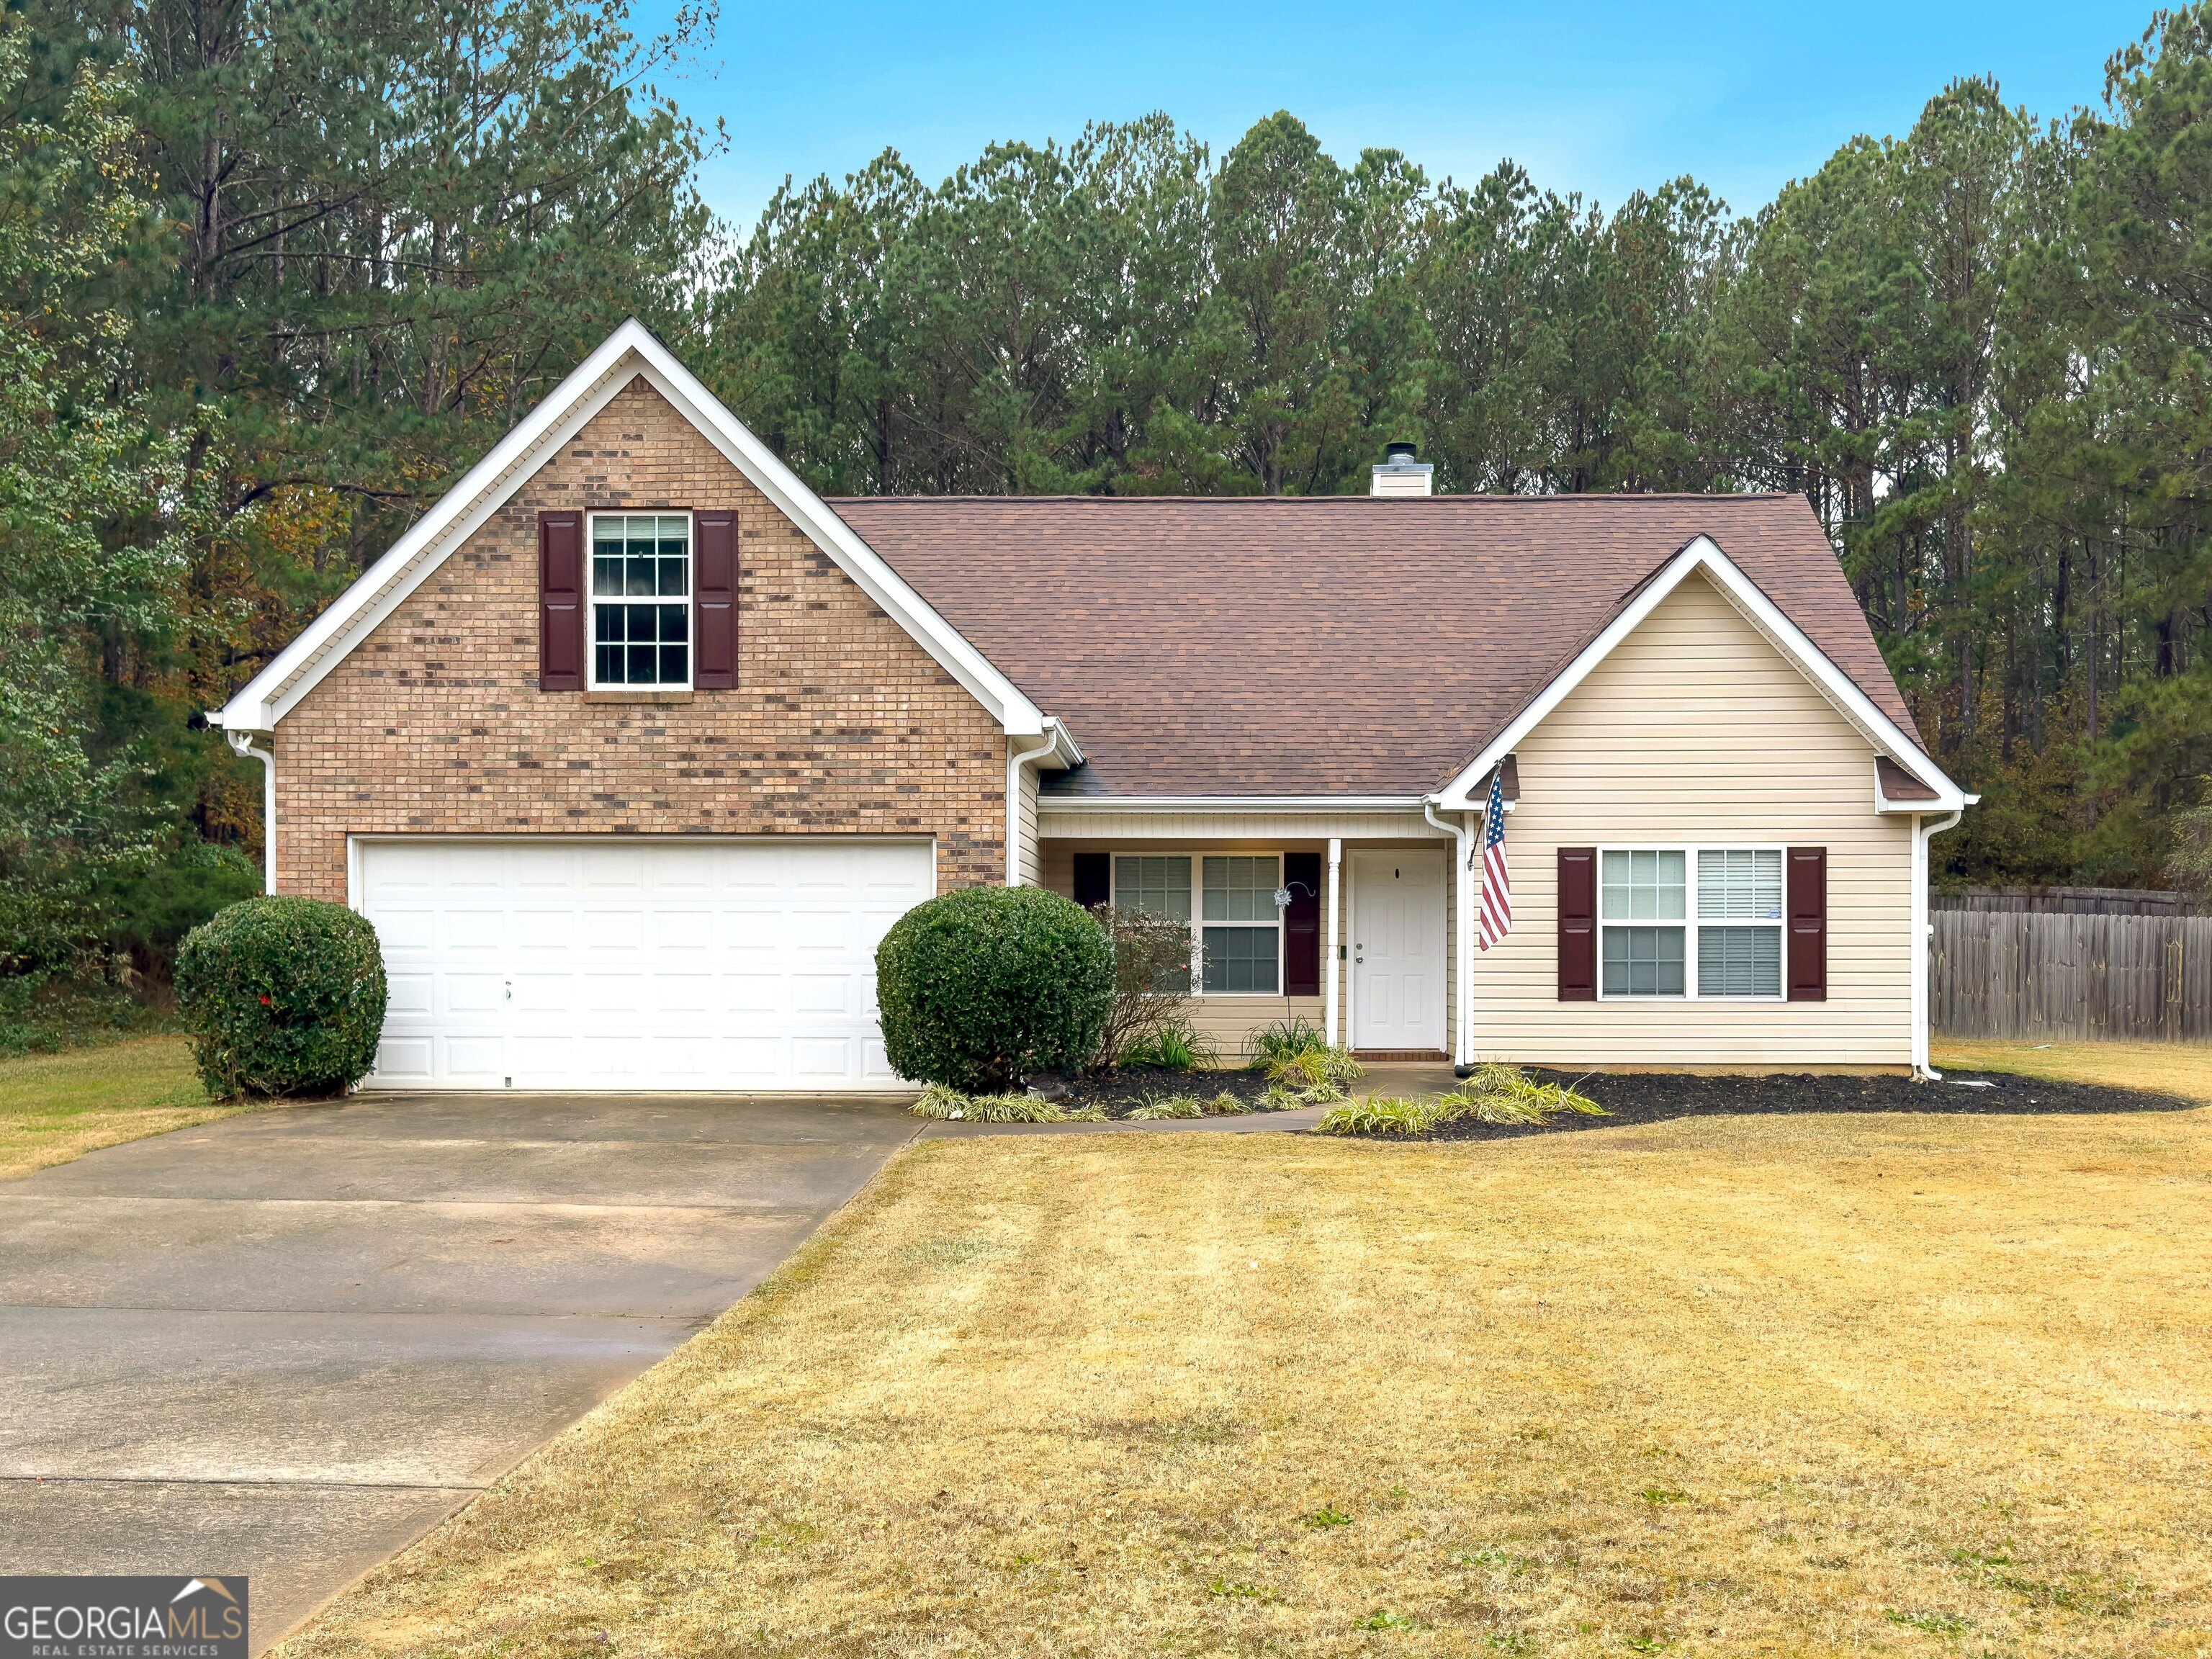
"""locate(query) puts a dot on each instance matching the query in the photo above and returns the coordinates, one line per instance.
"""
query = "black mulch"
(1652, 1097)
(1120, 1091)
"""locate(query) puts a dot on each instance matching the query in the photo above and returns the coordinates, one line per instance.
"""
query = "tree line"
(272, 273)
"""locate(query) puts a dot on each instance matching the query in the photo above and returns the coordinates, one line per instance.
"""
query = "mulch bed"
(1120, 1091)
(1653, 1097)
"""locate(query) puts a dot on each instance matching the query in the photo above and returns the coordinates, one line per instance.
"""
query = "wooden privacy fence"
(2056, 976)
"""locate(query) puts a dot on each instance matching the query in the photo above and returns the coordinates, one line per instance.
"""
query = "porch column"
(1329, 985)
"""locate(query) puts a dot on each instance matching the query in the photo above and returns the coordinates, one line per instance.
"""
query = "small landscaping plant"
(1160, 1107)
(1493, 1094)
(981, 987)
(1504, 1094)
(1381, 1114)
(950, 1106)
(1293, 1055)
(283, 996)
(1177, 1047)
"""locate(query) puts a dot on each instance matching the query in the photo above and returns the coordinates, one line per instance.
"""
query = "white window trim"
(592, 681)
(1690, 924)
(1198, 921)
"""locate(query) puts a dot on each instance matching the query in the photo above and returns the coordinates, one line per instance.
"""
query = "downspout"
(1335, 937)
(1463, 932)
(241, 743)
(1016, 759)
(1923, 831)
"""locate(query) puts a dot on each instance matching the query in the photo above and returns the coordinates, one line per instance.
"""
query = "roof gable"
(631, 352)
(1703, 558)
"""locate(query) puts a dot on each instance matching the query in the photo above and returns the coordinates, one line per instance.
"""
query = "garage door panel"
(824, 1059)
(469, 993)
(700, 964)
(752, 993)
(821, 993)
(480, 1061)
(538, 925)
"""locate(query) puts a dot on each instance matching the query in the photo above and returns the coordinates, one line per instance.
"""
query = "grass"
(1885, 1383)
(2172, 1068)
(55, 1107)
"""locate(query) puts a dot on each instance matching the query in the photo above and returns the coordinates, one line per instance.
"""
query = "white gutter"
(242, 743)
(1335, 939)
(1228, 803)
(1463, 932)
(1922, 931)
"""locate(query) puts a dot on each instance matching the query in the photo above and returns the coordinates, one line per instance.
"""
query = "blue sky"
(1601, 98)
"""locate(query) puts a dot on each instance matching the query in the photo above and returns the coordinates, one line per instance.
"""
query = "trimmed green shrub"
(981, 987)
(283, 996)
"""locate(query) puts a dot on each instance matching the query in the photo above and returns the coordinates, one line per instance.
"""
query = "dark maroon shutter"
(1806, 902)
(560, 602)
(1302, 925)
(1578, 924)
(715, 600)
(1094, 878)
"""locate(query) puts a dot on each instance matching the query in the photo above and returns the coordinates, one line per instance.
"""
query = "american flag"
(1497, 884)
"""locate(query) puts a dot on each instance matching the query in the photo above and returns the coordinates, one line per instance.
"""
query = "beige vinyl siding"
(1696, 730)
(1031, 858)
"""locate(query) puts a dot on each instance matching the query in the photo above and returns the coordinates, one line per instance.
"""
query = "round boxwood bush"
(284, 996)
(986, 986)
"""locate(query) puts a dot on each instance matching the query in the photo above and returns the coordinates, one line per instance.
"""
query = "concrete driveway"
(288, 1344)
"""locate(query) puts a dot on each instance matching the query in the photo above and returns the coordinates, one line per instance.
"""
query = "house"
(633, 746)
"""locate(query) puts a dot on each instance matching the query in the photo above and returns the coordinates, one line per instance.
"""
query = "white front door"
(1398, 949)
(636, 961)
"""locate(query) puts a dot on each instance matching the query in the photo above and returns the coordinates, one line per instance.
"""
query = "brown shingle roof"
(1897, 783)
(1327, 645)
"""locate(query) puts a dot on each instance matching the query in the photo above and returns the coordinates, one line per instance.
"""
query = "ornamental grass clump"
(950, 1106)
(284, 997)
(1295, 1057)
(982, 987)
(1381, 1114)
(1493, 1094)
(1157, 1108)
(1177, 1047)
(1504, 1094)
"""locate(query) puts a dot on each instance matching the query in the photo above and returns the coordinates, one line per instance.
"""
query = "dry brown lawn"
(2172, 1068)
(55, 1107)
(1765, 1385)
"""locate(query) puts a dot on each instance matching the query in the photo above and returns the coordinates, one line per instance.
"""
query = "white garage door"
(636, 965)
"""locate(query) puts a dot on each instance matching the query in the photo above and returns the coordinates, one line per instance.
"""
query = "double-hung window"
(1237, 924)
(1242, 937)
(641, 601)
(1662, 940)
(1159, 886)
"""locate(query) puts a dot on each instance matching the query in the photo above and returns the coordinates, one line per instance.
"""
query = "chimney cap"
(1401, 474)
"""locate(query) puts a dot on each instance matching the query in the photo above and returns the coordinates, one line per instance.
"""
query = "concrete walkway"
(288, 1344)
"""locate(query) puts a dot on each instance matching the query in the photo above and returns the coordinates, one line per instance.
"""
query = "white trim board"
(629, 352)
(1703, 556)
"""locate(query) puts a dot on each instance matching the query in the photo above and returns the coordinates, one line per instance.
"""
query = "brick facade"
(839, 723)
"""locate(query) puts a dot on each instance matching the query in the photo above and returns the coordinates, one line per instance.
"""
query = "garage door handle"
(510, 990)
